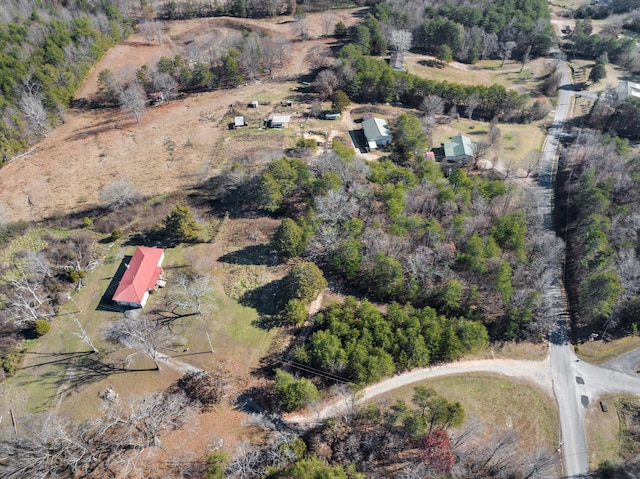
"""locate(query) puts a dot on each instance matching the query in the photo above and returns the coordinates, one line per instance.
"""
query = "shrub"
(289, 238)
(294, 393)
(116, 235)
(305, 281)
(87, 222)
(41, 327)
(295, 311)
(74, 275)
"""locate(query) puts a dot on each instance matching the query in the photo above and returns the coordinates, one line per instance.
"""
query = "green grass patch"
(499, 402)
(598, 352)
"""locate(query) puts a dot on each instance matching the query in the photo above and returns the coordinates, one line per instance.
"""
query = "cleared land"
(67, 170)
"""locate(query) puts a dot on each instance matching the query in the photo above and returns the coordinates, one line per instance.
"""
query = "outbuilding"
(376, 132)
(460, 148)
(143, 275)
(279, 121)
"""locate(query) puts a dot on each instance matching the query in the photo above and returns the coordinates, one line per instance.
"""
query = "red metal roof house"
(141, 277)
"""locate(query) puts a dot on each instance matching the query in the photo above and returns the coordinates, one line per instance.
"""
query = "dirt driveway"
(67, 169)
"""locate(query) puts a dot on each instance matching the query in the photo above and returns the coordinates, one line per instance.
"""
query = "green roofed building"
(460, 148)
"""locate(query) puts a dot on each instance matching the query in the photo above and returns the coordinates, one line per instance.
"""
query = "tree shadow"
(359, 140)
(268, 301)
(106, 303)
(260, 254)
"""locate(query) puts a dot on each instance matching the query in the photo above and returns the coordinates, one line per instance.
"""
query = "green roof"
(458, 146)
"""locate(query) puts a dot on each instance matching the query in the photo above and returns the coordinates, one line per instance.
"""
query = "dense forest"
(47, 48)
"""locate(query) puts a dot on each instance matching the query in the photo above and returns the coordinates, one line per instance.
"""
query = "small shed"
(332, 116)
(460, 148)
(430, 155)
(239, 122)
(279, 121)
(254, 104)
(156, 98)
(397, 61)
(376, 131)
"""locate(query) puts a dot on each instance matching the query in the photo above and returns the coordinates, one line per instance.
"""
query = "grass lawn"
(499, 402)
(60, 371)
(598, 352)
(517, 140)
(603, 430)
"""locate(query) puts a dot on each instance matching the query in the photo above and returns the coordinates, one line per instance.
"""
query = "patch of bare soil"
(172, 147)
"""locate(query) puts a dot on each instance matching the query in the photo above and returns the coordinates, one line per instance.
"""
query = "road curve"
(538, 372)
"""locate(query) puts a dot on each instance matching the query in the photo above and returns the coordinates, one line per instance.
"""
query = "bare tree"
(191, 291)
(27, 302)
(250, 56)
(401, 40)
(165, 83)
(325, 83)
(532, 161)
(301, 29)
(84, 337)
(328, 21)
(132, 99)
(432, 105)
(148, 31)
(506, 49)
(525, 58)
(139, 331)
(30, 103)
(472, 102)
(118, 194)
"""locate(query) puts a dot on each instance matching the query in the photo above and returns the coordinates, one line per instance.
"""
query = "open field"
(500, 403)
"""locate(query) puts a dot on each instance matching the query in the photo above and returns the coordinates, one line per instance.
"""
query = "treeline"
(185, 9)
(242, 58)
(604, 266)
(46, 50)
(584, 42)
(356, 341)
(468, 33)
(366, 79)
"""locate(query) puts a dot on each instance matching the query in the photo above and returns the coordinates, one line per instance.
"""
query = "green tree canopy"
(305, 281)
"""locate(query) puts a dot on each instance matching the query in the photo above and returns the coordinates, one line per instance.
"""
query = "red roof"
(141, 275)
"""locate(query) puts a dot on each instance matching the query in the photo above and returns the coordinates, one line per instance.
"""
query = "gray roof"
(239, 121)
(458, 146)
(281, 119)
(375, 128)
(397, 61)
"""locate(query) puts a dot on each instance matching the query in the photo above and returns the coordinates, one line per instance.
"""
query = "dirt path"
(537, 372)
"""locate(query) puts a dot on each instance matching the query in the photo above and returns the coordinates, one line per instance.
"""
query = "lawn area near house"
(61, 372)
(516, 140)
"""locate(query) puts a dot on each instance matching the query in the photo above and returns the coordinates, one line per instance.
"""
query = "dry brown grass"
(603, 430)
(598, 352)
(499, 402)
